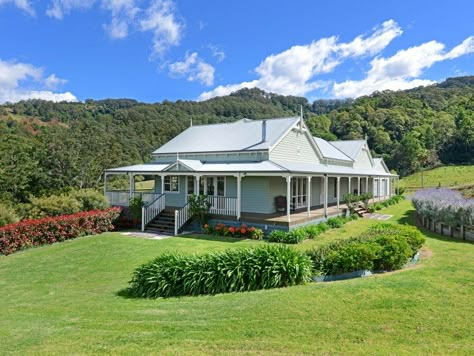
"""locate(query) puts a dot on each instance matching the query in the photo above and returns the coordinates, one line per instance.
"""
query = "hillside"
(49, 146)
(449, 176)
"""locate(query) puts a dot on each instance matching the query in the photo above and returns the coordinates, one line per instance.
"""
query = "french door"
(299, 189)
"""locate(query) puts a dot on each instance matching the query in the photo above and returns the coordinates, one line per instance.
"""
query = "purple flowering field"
(444, 205)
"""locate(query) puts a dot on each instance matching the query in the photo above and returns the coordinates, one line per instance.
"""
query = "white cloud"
(194, 68)
(161, 20)
(217, 52)
(24, 5)
(13, 75)
(123, 15)
(401, 71)
(59, 8)
(292, 71)
(52, 82)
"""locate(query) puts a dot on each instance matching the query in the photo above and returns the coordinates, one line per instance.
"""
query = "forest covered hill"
(47, 147)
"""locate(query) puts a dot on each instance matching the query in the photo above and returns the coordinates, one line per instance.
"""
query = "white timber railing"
(122, 197)
(152, 209)
(222, 205)
(181, 216)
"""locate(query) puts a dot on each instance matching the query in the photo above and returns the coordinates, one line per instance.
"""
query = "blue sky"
(157, 50)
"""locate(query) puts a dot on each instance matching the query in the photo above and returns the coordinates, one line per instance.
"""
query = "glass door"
(299, 192)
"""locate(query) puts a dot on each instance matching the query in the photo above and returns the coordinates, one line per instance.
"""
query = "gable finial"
(191, 123)
(301, 117)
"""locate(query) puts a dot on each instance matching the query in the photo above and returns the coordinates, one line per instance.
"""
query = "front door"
(215, 189)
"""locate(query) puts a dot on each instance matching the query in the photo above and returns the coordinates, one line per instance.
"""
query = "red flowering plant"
(27, 233)
(233, 231)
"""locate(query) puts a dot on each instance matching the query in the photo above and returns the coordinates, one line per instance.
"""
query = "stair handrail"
(181, 217)
(152, 209)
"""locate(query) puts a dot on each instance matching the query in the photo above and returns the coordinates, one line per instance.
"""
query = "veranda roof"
(283, 167)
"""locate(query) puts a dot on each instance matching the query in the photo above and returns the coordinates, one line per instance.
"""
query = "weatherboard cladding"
(296, 147)
(363, 160)
(255, 195)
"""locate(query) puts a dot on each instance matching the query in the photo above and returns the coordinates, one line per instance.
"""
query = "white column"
(325, 196)
(162, 177)
(358, 185)
(132, 183)
(239, 198)
(349, 186)
(338, 191)
(378, 188)
(308, 196)
(288, 197)
(366, 184)
(196, 185)
(105, 184)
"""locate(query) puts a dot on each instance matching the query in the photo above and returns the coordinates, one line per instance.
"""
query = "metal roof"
(249, 167)
(379, 164)
(242, 135)
(330, 151)
(318, 168)
(350, 148)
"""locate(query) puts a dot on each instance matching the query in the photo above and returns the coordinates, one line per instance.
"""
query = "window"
(190, 185)
(172, 184)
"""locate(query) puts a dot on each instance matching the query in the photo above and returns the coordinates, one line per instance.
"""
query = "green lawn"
(448, 176)
(63, 299)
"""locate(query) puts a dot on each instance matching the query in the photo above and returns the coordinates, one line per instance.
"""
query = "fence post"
(143, 218)
(463, 236)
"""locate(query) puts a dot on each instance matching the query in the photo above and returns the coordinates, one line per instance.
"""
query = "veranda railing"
(152, 209)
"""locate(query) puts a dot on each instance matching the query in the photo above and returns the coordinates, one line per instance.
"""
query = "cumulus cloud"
(161, 20)
(401, 71)
(217, 52)
(59, 8)
(292, 71)
(24, 5)
(159, 17)
(22, 81)
(193, 68)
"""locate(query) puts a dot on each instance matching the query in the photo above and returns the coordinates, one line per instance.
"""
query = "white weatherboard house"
(268, 173)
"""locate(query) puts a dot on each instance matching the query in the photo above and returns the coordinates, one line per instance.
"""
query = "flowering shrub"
(444, 205)
(43, 231)
(234, 231)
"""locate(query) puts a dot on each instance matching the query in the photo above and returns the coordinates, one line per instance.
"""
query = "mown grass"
(447, 176)
(63, 299)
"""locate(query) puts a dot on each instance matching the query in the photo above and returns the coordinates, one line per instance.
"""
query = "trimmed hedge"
(384, 247)
(233, 270)
(300, 234)
(38, 232)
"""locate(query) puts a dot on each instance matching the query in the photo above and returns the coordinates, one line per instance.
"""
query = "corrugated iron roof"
(330, 151)
(350, 148)
(242, 135)
(249, 167)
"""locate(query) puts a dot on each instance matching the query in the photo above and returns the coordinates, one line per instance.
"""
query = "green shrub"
(344, 256)
(7, 215)
(135, 206)
(378, 206)
(312, 231)
(336, 223)
(323, 227)
(90, 199)
(234, 270)
(413, 236)
(53, 205)
(383, 246)
(296, 236)
(277, 236)
(393, 254)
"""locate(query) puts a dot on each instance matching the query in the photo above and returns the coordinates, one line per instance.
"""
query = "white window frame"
(164, 184)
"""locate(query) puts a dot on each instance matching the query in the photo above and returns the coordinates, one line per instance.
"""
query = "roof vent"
(264, 130)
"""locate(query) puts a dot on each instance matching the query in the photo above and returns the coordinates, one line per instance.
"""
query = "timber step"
(163, 223)
(361, 211)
